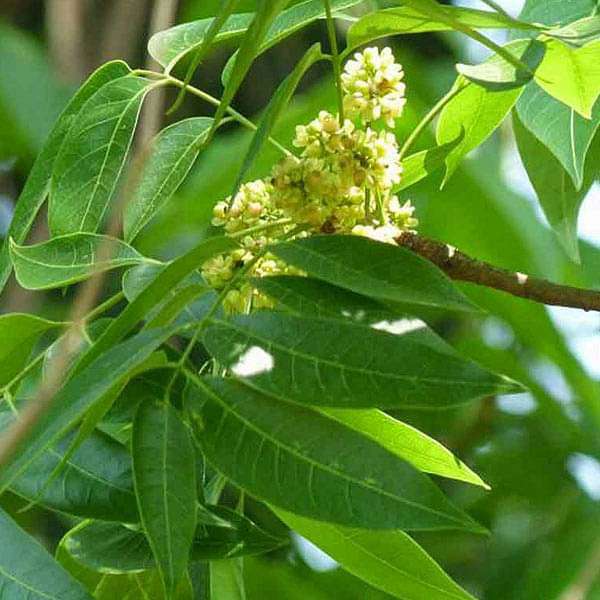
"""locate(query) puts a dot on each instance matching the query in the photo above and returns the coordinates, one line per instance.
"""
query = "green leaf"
(571, 75)
(579, 33)
(95, 483)
(306, 296)
(406, 442)
(278, 102)
(81, 392)
(137, 586)
(556, 193)
(381, 271)
(321, 362)
(19, 334)
(152, 295)
(164, 467)
(227, 579)
(68, 259)
(408, 20)
(552, 12)
(28, 572)
(116, 549)
(38, 183)
(173, 153)
(302, 461)
(474, 112)
(170, 46)
(564, 132)
(389, 560)
(93, 154)
(497, 73)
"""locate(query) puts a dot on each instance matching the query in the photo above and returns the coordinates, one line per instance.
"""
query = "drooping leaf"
(113, 548)
(407, 20)
(81, 392)
(381, 271)
(571, 75)
(38, 183)
(173, 153)
(164, 467)
(410, 444)
(388, 560)
(95, 483)
(227, 579)
(558, 196)
(68, 259)
(278, 102)
(88, 167)
(28, 572)
(321, 362)
(579, 33)
(300, 460)
(19, 334)
(170, 46)
(474, 112)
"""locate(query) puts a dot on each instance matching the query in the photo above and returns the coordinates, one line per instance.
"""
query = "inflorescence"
(341, 182)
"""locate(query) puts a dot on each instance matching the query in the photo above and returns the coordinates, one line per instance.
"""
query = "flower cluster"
(342, 181)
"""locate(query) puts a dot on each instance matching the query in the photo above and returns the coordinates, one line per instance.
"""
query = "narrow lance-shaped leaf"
(578, 33)
(37, 185)
(164, 467)
(68, 259)
(381, 271)
(277, 104)
(73, 400)
(304, 462)
(91, 159)
(173, 153)
(28, 572)
(227, 579)
(408, 20)
(388, 560)
(321, 362)
(19, 334)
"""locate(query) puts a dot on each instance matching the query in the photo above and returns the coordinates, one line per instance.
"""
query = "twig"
(461, 267)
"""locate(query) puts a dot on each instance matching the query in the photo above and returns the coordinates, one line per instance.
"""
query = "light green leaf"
(28, 572)
(93, 154)
(81, 392)
(164, 467)
(37, 185)
(68, 259)
(302, 461)
(227, 579)
(579, 33)
(408, 20)
(321, 362)
(277, 104)
(19, 334)
(136, 586)
(173, 153)
(381, 271)
(116, 549)
(170, 46)
(571, 75)
(388, 560)
(96, 481)
(474, 112)
(556, 193)
(406, 442)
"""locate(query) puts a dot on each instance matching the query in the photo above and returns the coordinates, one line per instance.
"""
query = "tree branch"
(461, 267)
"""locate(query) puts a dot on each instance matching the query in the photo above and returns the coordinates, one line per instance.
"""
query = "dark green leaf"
(28, 572)
(381, 271)
(300, 460)
(68, 259)
(388, 560)
(19, 334)
(322, 362)
(164, 467)
(93, 154)
(38, 183)
(173, 153)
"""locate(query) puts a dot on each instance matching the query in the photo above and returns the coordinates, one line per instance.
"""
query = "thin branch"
(461, 267)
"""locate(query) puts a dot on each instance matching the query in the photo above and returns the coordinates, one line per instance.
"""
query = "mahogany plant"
(248, 387)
